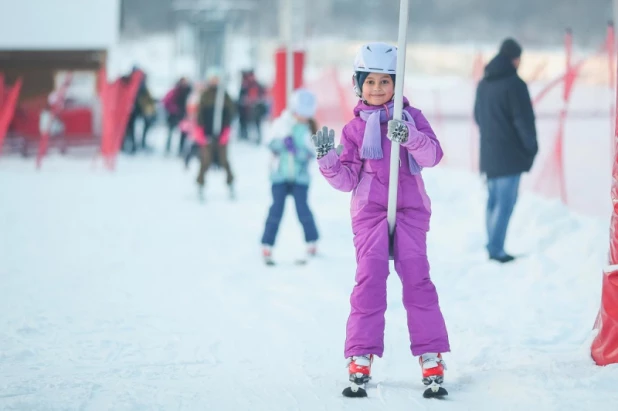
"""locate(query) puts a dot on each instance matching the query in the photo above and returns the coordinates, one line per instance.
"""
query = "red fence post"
(571, 74)
(279, 92)
(478, 67)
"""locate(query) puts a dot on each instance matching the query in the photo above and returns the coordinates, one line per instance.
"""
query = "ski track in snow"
(120, 291)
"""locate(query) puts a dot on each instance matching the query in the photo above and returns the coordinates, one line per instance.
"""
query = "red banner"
(7, 109)
(1, 89)
(551, 180)
(118, 99)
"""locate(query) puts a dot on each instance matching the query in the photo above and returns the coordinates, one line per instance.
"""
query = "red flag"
(118, 99)
(7, 110)
(1, 90)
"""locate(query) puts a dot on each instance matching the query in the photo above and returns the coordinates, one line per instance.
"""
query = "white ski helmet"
(303, 103)
(374, 58)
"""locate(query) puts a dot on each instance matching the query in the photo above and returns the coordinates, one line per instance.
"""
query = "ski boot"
(311, 252)
(200, 193)
(359, 368)
(200, 187)
(232, 192)
(312, 249)
(267, 254)
(433, 367)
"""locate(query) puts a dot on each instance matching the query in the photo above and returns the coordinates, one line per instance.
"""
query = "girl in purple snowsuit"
(363, 168)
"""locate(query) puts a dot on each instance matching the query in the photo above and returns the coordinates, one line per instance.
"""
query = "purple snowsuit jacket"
(368, 180)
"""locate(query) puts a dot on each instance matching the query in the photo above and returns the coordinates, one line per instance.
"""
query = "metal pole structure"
(616, 19)
(220, 96)
(289, 54)
(393, 181)
(301, 23)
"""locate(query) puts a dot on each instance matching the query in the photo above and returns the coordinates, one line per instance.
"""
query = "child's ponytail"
(313, 125)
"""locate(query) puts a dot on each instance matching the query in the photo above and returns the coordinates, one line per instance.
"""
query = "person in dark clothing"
(148, 110)
(252, 106)
(215, 148)
(144, 107)
(503, 111)
(175, 104)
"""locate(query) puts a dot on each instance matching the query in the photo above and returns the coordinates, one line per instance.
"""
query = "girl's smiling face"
(378, 89)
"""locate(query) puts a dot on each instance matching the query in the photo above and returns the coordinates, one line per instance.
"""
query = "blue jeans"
(280, 193)
(500, 203)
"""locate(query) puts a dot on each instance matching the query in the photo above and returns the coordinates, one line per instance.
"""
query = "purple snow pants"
(365, 328)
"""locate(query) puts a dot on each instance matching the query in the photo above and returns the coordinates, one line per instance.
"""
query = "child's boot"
(359, 369)
(267, 254)
(433, 367)
(312, 249)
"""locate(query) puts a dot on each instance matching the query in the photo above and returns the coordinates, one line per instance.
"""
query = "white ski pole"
(397, 115)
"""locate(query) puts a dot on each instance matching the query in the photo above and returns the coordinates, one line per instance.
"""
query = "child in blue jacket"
(293, 151)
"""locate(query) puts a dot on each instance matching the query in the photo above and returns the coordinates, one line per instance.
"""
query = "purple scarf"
(372, 140)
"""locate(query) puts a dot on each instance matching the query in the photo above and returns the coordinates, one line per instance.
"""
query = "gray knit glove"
(324, 141)
(397, 131)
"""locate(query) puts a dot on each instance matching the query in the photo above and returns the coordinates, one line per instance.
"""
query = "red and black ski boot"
(433, 367)
(359, 368)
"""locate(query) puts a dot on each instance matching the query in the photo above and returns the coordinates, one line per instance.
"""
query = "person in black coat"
(503, 111)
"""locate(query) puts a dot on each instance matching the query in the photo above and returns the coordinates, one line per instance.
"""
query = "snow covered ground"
(120, 291)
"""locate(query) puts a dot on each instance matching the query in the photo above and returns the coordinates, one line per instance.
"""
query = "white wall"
(58, 24)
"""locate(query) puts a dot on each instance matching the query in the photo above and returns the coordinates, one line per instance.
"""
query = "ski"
(355, 391)
(434, 387)
(360, 391)
(299, 262)
(440, 392)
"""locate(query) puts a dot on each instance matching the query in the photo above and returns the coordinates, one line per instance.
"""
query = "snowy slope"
(122, 292)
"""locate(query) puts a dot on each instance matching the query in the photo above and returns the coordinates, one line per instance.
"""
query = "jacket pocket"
(360, 195)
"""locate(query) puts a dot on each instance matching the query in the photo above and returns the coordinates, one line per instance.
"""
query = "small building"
(42, 41)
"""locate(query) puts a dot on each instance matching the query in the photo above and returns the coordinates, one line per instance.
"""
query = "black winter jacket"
(504, 114)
